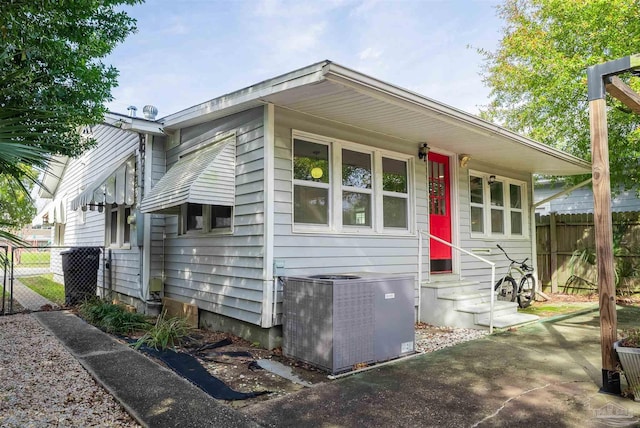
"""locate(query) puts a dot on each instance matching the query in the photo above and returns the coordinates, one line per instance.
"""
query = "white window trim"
(506, 208)
(335, 189)
(121, 220)
(206, 223)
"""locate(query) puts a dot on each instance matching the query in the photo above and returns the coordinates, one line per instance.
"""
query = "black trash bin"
(80, 267)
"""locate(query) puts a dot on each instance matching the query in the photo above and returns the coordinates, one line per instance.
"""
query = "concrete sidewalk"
(543, 375)
(153, 395)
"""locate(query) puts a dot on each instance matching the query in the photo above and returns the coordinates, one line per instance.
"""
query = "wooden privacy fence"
(566, 251)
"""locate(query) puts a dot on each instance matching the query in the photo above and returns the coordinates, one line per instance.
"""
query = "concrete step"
(482, 308)
(510, 320)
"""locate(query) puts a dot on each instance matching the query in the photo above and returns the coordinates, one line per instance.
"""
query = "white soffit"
(206, 176)
(329, 91)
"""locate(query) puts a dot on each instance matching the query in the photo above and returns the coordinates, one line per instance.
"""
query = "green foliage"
(45, 286)
(112, 318)
(166, 333)
(53, 52)
(538, 76)
(52, 81)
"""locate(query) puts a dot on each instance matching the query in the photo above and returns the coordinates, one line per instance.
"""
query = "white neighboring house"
(323, 170)
(580, 201)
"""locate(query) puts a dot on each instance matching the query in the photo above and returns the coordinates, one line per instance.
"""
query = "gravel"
(431, 338)
(42, 385)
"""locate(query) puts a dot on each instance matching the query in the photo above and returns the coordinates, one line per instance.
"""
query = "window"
(395, 193)
(118, 230)
(496, 208)
(58, 233)
(346, 187)
(311, 182)
(356, 188)
(198, 218)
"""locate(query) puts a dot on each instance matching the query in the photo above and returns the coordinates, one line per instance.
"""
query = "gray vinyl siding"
(517, 248)
(113, 144)
(330, 252)
(581, 200)
(223, 273)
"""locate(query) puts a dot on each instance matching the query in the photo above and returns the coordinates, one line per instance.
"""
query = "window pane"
(516, 223)
(310, 161)
(394, 175)
(475, 187)
(515, 195)
(497, 195)
(127, 227)
(356, 209)
(220, 217)
(356, 169)
(394, 212)
(477, 219)
(311, 205)
(113, 226)
(497, 221)
(194, 217)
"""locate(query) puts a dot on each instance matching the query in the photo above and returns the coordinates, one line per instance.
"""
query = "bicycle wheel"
(527, 290)
(506, 289)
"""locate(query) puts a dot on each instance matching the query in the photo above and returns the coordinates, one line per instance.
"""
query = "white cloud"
(370, 53)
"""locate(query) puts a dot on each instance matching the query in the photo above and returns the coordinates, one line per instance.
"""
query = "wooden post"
(553, 250)
(604, 241)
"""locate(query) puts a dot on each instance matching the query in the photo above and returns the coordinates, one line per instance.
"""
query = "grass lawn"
(35, 258)
(45, 286)
(551, 309)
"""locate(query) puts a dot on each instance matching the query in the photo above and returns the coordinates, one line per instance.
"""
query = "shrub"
(112, 318)
(166, 333)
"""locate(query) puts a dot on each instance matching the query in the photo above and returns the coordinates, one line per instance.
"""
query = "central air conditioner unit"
(338, 322)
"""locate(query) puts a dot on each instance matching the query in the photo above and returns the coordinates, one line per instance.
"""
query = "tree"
(53, 80)
(538, 78)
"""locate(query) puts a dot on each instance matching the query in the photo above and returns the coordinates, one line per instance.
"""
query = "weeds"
(112, 318)
(166, 333)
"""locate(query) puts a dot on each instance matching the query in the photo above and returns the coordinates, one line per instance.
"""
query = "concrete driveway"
(544, 375)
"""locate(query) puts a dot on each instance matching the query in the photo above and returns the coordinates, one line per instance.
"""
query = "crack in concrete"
(504, 404)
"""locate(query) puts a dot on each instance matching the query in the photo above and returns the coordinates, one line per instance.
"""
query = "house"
(323, 170)
(580, 200)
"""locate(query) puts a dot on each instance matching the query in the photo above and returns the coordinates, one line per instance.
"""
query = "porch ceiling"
(329, 91)
(484, 142)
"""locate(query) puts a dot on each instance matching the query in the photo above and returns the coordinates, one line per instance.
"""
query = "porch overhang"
(114, 186)
(331, 92)
(206, 176)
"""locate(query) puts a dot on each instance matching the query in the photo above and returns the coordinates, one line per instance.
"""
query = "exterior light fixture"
(464, 160)
(492, 179)
(423, 151)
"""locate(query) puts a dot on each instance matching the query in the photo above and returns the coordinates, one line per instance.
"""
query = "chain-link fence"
(47, 278)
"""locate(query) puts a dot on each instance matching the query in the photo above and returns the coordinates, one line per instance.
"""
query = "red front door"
(439, 212)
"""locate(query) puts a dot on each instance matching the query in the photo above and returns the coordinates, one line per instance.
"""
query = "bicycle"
(508, 290)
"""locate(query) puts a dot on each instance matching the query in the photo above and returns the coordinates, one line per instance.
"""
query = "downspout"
(270, 281)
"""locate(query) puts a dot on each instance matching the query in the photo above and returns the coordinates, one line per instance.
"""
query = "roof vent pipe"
(150, 112)
(132, 111)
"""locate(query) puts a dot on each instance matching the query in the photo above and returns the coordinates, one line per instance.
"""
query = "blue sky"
(189, 51)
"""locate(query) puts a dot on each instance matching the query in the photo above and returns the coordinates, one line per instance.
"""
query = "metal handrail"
(423, 233)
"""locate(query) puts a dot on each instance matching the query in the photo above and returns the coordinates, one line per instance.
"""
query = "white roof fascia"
(345, 76)
(134, 124)
(244, 98)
